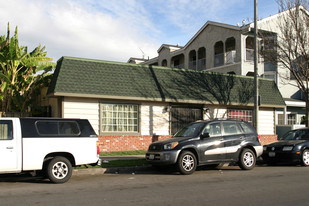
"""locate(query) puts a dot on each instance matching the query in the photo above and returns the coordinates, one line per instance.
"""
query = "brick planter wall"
(267, 139)
(113, 143)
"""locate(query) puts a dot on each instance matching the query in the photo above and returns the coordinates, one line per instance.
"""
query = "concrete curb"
(112, 170)
(89, 171)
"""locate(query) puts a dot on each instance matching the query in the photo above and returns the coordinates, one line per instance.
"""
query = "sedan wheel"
(305, 158)
(247, 159)
(186, 163)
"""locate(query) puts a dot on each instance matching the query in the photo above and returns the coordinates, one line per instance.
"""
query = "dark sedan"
(293, 147)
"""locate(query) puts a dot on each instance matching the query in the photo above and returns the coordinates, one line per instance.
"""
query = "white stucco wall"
(266, 121)
(82, 108)
(154, 120)
(286, 86)
(215, 112)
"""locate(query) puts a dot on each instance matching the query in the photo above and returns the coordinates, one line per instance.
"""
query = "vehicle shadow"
(165, 170)
(24, 177)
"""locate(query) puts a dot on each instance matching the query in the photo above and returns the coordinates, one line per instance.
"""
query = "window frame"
(10, 126)
(248, 117)
(239, 130)
(58, 134)
(138, 125)
(211, 134)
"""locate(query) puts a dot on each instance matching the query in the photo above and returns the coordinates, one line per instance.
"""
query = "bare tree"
(288, 48)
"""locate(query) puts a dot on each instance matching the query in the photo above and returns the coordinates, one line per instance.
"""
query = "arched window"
(230, 50)
(249, 48)
(164, 63)
(201, 64)
(177, 61)
(219, 53)
(192, 59)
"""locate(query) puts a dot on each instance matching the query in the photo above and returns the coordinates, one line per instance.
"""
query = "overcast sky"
(118, 29)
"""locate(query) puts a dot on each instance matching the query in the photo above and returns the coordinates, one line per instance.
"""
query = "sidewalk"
(114, 170)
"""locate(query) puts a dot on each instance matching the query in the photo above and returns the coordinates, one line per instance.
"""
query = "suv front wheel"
(247, 159)
(186, 163)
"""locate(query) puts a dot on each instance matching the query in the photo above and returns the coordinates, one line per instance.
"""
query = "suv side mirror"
(205, 135)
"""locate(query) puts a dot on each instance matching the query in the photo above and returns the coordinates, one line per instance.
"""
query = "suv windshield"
(192, 130)
(296, 135)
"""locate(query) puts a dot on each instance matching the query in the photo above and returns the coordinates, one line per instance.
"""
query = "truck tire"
(59, 170)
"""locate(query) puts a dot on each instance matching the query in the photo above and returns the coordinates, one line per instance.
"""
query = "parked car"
(293, 147)
(208, 143)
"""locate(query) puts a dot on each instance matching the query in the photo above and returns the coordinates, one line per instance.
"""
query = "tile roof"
(112, 80)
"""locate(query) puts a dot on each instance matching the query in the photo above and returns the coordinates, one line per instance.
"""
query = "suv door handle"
(241, 138)
(9, 147)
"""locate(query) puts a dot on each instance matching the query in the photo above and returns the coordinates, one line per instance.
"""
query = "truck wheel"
(247, 159)
(59, 170)
(186, 163)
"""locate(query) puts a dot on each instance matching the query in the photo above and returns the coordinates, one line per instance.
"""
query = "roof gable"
(103, 79)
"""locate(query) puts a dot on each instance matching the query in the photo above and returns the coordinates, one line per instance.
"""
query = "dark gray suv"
(208, 143)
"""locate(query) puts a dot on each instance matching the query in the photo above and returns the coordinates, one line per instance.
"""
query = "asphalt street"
(264, 185)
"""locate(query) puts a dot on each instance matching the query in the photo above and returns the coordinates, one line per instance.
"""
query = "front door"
(8, 147)
(182, 116)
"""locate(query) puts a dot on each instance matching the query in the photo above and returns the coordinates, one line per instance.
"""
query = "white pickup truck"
(48, 145)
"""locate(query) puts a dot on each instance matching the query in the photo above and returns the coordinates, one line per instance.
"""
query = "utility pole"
(256, 74)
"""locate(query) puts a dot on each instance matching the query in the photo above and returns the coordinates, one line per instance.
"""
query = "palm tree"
(18, 72)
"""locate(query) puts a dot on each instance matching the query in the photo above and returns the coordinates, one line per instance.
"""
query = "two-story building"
(223, 48)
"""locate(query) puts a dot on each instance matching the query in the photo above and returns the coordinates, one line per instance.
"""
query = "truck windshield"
(192, 130)
(296, 135)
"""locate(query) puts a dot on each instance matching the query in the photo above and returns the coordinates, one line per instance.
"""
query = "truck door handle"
(9, 147)
(242, 138)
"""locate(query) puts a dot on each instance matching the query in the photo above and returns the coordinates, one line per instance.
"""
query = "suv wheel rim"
(187, 162)
(306, 157)
(248, 159)
(60, 170)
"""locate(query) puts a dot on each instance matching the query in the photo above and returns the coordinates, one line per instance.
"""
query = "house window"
(280, 119)
(119, 118)
(249, 48)
(245, 115)
(219, 54)
(291, 119)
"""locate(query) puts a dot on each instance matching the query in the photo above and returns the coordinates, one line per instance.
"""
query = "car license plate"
(151, 157)
(272, 154)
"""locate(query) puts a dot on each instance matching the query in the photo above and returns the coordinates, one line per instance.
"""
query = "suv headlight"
(170, 146)
(287, 148)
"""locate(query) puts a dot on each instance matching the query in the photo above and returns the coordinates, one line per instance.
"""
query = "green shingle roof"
(113, 80)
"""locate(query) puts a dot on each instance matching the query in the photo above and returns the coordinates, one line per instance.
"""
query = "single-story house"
(130, 105)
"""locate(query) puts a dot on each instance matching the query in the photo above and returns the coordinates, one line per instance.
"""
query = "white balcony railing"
(230, 57)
